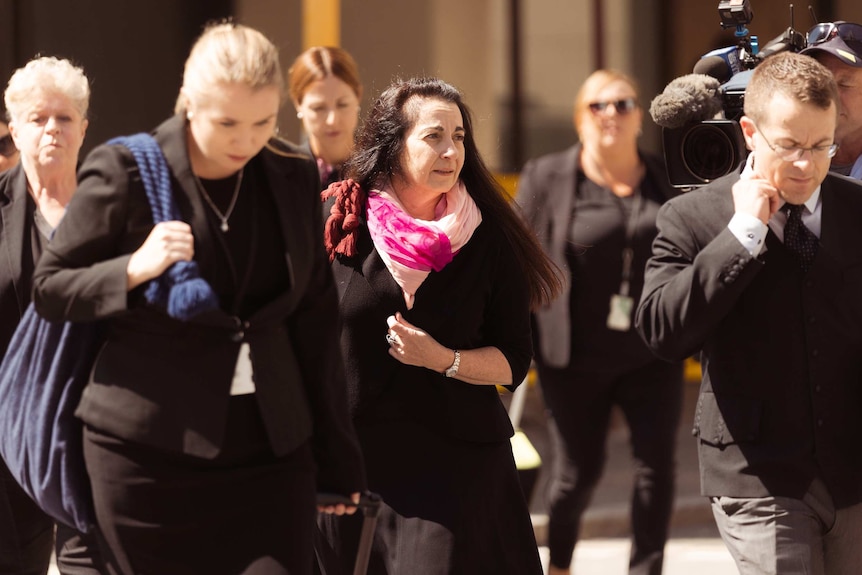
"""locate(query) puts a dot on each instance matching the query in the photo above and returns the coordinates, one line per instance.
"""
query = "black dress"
(437, 449)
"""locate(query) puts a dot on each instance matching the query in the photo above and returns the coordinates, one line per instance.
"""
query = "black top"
(249, 258)
(596, 241)
(582, 229)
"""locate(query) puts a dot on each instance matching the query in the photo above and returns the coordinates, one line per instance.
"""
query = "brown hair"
(317, 63)
(798, 77)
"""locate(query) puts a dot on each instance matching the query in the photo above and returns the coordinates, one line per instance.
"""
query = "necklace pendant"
(224, 227)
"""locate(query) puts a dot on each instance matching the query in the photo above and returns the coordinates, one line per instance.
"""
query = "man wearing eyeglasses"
(838, 46)
(762, 271)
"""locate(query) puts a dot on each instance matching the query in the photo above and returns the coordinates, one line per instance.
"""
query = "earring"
(299, 115)
(189, 116)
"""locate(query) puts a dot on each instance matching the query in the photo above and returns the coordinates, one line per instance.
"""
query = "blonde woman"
(594, 207)
(206, 439)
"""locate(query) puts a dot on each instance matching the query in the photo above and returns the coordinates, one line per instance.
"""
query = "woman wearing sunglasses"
(594, 207)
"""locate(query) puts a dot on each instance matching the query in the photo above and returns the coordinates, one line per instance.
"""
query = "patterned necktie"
(798, 238)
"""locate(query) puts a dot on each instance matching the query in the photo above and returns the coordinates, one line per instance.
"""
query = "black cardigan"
(480, 299)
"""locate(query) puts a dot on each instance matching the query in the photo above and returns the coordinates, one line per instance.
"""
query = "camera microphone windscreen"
(686, 100)
(714, 66)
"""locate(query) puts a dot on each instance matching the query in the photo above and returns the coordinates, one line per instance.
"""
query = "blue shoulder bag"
(48, 364)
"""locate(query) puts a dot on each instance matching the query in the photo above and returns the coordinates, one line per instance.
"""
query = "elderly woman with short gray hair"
(46, 105)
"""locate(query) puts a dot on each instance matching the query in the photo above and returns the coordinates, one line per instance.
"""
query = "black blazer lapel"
(12, 227)
(171, 136)
(297, 232)
(290, 174)
(562, 198)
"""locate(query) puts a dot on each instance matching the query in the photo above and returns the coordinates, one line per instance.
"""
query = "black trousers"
(26, 532)
(244, 512)
(580, 405)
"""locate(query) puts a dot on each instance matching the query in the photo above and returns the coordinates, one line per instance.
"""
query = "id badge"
(620, 315)
(243, 375)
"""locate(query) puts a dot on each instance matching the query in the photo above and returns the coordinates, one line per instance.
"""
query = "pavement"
(694, 546)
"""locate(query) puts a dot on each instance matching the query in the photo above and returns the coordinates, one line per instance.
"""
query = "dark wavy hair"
(377, 157)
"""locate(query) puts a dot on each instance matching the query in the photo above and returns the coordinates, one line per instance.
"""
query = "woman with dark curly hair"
(436, 276)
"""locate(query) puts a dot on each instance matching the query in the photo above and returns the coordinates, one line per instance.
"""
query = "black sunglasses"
(622, 107)
(7, 146)
(849, 32)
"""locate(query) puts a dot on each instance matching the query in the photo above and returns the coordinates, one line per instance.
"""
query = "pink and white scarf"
(411, 247)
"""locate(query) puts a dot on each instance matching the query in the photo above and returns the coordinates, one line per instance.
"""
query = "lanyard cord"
(631, 229)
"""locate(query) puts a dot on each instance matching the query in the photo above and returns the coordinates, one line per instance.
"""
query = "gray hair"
(46, 74)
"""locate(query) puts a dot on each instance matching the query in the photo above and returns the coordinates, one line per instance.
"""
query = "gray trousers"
(786, 536)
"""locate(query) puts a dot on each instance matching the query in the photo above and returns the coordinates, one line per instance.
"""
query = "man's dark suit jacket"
(165, 383)
(781, 397)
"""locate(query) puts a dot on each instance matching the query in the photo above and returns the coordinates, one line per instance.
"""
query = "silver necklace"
(224, 217)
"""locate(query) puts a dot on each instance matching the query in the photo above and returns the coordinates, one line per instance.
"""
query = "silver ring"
(390, 339)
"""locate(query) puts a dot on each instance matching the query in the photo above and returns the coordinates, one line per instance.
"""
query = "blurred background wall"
(519, 62)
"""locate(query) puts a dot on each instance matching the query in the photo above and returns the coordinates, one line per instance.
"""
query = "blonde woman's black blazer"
(165, 383)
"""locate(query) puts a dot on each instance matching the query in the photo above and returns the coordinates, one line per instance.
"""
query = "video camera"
(697, 147)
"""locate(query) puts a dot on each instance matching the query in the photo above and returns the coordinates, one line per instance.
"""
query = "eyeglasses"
(7, 146)
(795, 153)
(849, 32)
(622, 107)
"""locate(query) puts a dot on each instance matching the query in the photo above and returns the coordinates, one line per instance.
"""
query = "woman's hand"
(412, 346)
(341, 508)
(168, 243)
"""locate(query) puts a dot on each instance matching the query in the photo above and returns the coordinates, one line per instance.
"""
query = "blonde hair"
(46, 74)
(592, 85)
(227, 52)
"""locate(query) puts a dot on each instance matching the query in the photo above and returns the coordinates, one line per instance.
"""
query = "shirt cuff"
(750, 232)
